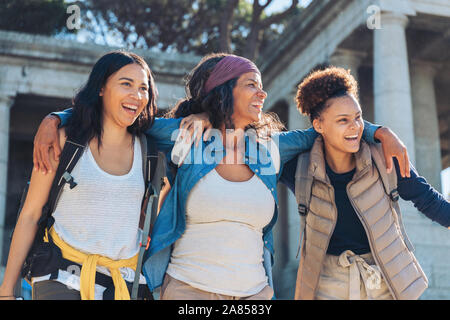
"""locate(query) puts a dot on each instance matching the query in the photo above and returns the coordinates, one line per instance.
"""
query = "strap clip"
(302, 209)
(394, 195)
(69, 180)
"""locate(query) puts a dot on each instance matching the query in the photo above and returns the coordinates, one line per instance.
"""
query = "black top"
(349, 233)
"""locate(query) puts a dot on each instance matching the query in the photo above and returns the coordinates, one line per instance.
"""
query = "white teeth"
(351, 137)
(130, 106)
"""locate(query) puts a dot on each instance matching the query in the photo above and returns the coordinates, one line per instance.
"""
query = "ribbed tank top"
(221, 250)
(101, 214)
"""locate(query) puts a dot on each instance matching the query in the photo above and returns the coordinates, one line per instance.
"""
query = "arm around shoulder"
(291, 143)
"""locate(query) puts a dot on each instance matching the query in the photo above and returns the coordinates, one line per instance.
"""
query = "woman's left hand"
(393, 147)
(195, 125)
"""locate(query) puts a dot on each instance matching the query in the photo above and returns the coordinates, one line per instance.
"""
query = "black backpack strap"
(152, 160)
(154, 172)
(71, 153)
(303, 185)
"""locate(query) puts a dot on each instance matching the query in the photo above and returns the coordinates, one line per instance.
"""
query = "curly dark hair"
(218, 103)
(86, 121)
(320, 86)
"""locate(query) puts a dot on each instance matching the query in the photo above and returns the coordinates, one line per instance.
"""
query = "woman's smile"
(130, 108)
(353, 139)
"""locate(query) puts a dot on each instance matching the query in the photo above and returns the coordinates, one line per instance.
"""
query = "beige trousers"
(173, 289)
(351, 277)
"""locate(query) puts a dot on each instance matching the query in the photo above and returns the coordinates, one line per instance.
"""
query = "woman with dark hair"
(213, 236)
(99, 218)
(354, 243)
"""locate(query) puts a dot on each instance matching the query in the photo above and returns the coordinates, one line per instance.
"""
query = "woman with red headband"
(213, 236)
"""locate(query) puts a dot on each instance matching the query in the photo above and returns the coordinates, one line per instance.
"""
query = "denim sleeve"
(291, 143)
(369, 132)
(164, 131)
(424, 197)
(64, 116)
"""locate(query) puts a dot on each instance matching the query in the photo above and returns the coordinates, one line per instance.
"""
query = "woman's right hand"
(46, 137)
(195, 124)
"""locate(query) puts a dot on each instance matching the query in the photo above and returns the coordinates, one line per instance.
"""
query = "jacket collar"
(261, 152)
(317, 160)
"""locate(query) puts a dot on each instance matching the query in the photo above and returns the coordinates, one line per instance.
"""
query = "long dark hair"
(218, 103)
(86, 121)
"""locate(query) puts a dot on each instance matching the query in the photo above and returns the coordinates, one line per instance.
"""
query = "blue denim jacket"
(171, 221)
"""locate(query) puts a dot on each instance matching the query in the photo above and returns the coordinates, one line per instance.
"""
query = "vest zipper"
(369, 236)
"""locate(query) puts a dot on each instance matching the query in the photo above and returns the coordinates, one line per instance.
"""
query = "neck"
(232, 138)
(339, 161)
(114, 135)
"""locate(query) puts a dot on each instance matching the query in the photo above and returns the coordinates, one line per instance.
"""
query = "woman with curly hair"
(352, 229)
(213, 236)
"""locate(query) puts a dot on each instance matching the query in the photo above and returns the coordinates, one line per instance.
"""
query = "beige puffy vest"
(380, 216)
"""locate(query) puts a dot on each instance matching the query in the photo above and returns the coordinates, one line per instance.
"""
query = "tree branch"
(225, 26)
(279, 16)
(264, 6)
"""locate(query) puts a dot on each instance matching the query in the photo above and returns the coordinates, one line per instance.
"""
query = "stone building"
(399, 51)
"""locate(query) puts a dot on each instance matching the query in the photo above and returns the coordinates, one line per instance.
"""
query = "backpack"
(303, 186)
(41, 252)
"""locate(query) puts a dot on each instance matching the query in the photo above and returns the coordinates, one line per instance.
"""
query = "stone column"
(5, 105)
(426, 125)
(392, 90)
(348, 59)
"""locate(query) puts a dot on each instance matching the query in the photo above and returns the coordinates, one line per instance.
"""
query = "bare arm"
(393, 147)
(26, 227)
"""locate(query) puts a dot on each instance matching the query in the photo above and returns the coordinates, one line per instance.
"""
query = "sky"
(279, 5)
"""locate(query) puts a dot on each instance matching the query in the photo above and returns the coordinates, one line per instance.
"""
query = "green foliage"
(47, 17)
(181, 25)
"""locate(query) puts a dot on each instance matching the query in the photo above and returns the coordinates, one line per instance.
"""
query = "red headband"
(228, 68)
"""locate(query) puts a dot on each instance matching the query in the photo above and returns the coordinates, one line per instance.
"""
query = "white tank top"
(100, 216)
(221, 250)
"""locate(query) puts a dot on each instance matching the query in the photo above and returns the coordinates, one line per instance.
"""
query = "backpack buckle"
(394, 195)
(302, 209)
(69, 180)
